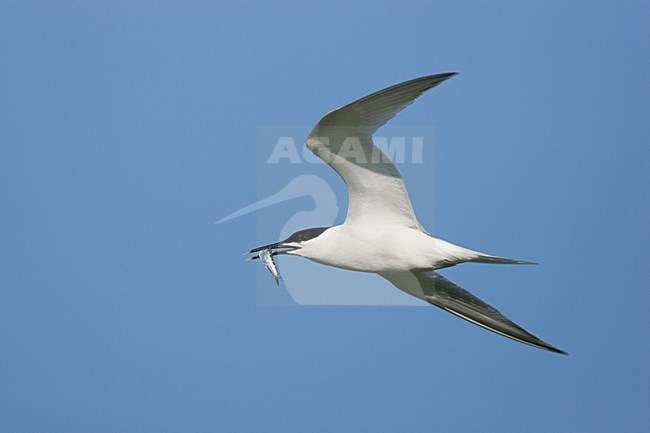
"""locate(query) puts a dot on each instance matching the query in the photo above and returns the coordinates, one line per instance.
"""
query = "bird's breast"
(379, 250)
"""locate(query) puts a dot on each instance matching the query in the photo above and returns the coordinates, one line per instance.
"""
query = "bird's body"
(381, 233)
(381, 249)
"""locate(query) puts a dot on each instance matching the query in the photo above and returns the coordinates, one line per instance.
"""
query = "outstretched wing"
(343, 139)
(439, 291)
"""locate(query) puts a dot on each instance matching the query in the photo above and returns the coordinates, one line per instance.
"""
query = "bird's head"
(290, 245)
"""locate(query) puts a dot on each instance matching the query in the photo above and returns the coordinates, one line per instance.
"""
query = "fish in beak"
(266, 253)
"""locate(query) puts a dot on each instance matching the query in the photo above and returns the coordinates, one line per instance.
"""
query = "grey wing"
(343, 139)
(374, 110)
(439, 291)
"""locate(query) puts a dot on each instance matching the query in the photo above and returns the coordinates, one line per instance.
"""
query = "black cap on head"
(305, 235)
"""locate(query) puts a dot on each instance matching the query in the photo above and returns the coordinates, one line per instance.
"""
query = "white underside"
(382, 249)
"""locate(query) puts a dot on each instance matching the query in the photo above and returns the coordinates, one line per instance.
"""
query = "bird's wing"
(439, 291)
(343, 139)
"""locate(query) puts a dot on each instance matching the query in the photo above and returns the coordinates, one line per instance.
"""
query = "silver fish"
(267, 258)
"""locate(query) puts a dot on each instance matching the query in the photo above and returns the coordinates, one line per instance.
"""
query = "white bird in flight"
(381, 233)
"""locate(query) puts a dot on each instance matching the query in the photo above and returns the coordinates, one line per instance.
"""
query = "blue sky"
(129, 128)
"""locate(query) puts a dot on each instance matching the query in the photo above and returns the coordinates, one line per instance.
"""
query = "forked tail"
(500, 261)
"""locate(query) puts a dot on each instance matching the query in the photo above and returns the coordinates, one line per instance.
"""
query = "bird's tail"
(500, 260)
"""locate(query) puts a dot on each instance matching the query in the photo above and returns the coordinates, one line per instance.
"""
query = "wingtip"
(541, 344)
(558, 351)
(441, 77)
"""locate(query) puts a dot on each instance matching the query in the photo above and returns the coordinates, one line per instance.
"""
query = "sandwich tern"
(381, 233)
